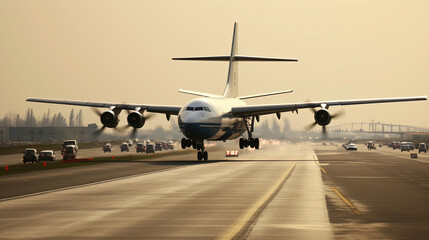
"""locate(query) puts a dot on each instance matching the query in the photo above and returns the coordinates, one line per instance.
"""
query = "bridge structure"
(379, 128)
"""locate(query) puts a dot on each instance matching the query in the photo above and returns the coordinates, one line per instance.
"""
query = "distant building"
(47, 134)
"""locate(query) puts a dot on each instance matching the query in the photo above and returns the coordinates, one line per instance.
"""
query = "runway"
(277, 192)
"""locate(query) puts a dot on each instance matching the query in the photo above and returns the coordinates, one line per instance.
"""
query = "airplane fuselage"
(211, 119)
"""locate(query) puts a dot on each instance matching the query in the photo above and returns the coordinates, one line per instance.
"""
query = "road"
(277, 192)
(83, 153)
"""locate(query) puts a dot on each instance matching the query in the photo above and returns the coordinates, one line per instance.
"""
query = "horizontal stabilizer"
(201, 94)
(238, 58)
(265, 94)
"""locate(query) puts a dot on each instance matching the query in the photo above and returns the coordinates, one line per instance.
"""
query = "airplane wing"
(166, 109)
(253, 110)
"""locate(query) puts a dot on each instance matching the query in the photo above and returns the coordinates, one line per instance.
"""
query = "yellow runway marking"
(250, 213)
(354, 209)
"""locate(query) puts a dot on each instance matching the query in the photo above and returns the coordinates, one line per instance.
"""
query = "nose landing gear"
(198, 145)
(202, 155)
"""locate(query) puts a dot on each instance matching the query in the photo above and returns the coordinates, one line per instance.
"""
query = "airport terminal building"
(46, 134)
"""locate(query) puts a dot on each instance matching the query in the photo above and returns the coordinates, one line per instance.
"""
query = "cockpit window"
(207, 109)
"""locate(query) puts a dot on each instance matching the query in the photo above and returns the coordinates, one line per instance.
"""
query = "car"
(170, 145)
(30, 155)
(70, 152)
(158, 146)
(47, 155)
(164, 145)
(370, 145)
(140, 148)
(107, 147)
(351, 147)
(124, 147)
(423, 148)
(407, 146)
(396, 145)
(69, 142)
(150, 148)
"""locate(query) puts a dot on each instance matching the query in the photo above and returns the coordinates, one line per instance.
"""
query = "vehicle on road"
(396, 145)
(407, 146)
(47, 155)
(140, 148)
(158, 146)
(30, 155)
(370, 145)
(164, 145)
(124, 147)
(170, 145)
(351, 147)
(70, 152)
(107, 147)
(150, 148)
(423, 148)
(69, 142)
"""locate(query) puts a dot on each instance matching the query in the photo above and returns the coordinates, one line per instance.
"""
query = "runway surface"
(277, 192)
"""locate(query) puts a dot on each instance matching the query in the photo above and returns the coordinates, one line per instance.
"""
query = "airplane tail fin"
(231, 88)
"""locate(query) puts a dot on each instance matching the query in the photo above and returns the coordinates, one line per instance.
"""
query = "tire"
(183, 143)
(205, 156)
(256, 143)
(199, 156)
(252, 142)
(246, 143)
(241, 143)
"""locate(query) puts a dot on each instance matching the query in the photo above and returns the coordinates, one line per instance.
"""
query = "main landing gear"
(252, 142)
(196, 144)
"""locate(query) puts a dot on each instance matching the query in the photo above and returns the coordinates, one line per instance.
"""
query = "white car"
(351, 146)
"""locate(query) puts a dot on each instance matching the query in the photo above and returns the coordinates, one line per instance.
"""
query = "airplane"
(220, 117)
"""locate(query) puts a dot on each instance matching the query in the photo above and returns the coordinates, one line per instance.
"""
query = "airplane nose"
(193, 127)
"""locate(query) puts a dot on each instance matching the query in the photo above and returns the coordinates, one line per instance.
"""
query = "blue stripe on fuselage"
(200, 130)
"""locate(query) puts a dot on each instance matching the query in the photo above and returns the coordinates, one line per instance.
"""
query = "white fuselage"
(211, 119)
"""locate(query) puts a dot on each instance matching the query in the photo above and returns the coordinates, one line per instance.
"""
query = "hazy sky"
(120, 51)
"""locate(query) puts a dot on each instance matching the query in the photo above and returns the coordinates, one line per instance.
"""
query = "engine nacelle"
(109, 119)
(136, 119)
(322, 117)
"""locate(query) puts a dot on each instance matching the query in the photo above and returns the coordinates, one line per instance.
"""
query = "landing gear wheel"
(194, 144)
(205, 155)
(241, 143)
(183, 143)
(246, 143)
(200, 156)
(251, 142)
(188, 143)
(256, 143)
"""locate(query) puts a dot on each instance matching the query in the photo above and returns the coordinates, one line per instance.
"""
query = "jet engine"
(322, 117)
(136, 119)
(109, 119)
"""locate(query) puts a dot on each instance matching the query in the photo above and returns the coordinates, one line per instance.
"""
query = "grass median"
(32, 167)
